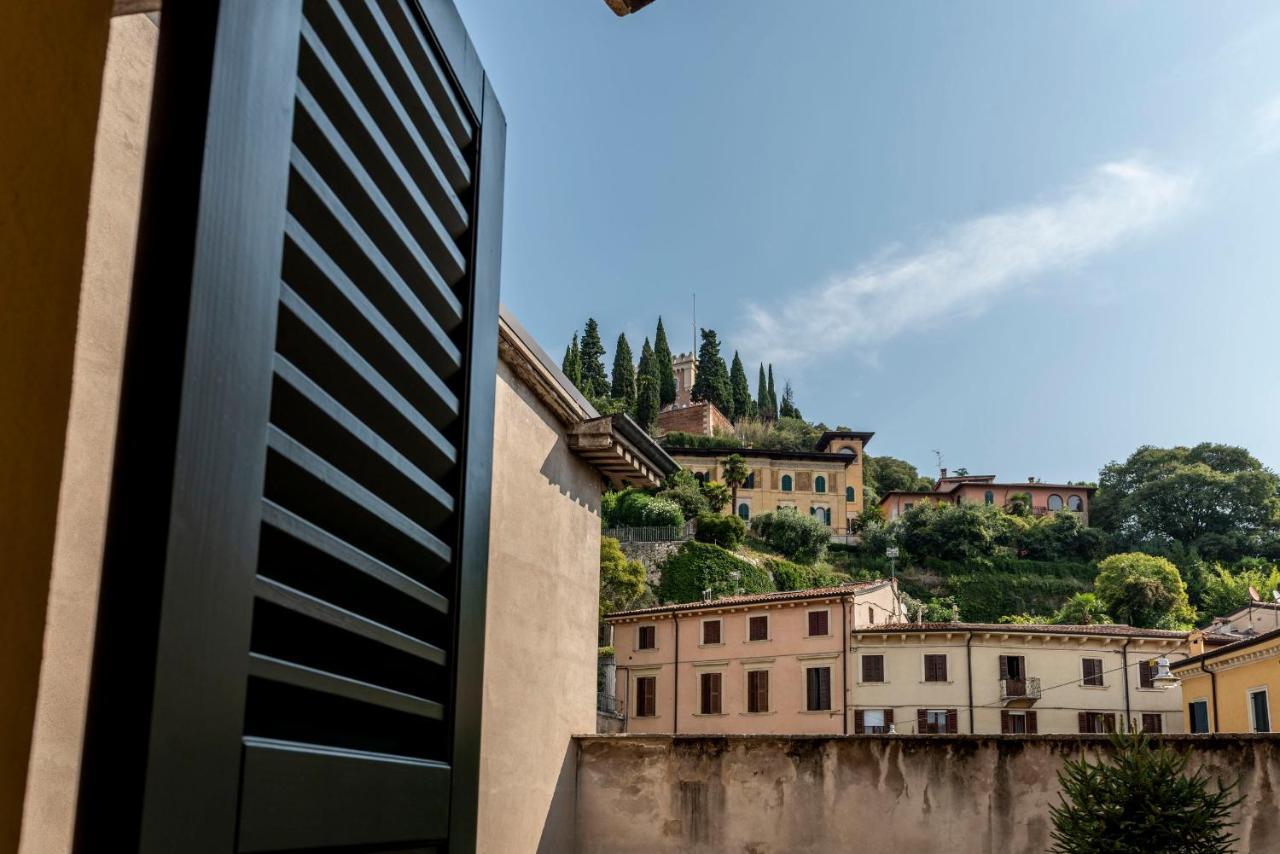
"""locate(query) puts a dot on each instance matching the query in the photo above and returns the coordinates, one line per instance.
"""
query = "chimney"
(944, 474)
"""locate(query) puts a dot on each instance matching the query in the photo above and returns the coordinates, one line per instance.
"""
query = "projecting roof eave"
(768, 454)
(1102, 630)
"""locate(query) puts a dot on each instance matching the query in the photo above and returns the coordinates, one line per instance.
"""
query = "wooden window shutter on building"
(817, 623)
(1031, 723)
(711, 631)
(1109, 722)
(1005, 725)
(758, 628)
(1083, 721)
(953, 720)
(858, 727)
(1146, 674)
(888, 718)
(922, 721)
(1004, 667)
(296, 552)
(873, 668)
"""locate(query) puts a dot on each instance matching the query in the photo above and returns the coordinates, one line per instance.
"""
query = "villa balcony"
(1020, 693)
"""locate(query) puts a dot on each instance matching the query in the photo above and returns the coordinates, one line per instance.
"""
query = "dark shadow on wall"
(559, 470)
(559, 828)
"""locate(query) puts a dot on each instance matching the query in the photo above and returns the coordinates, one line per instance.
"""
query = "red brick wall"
(703, 419)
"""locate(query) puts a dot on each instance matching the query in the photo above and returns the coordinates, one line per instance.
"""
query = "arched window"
(750, 482)
(744, 511)
(989, 497)
(1076, 503)
(813, 511)
(1055, 502)
(850, 451)
(786, 483)
(848, 494)
(819, 484)
(700, 476)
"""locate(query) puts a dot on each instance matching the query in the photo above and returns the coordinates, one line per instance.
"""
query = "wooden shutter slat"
(291, 673)
(311, 606)
(888, 718)
(764, 690)
(1083, 720)
(922, 721)
(1031, 723)
(1004, 667)
(1006, 725)
(952, 721)
(437, 81)
(858, 727)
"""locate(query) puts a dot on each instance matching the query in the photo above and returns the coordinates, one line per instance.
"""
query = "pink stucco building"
(984, 489)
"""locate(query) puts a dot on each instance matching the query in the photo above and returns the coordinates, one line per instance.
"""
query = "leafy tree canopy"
(883, 475)
(1212, 494)
(1145, 591)
(622, 581)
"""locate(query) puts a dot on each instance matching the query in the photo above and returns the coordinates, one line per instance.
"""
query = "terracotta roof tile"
(1025, 628)
(751, 599)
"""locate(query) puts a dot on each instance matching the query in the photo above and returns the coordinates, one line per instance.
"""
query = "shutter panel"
(858, 727)
(952, 721)
(888, 718)
(1031, 723)
(1084, 722)
(1005, 726)
(764, 690)
(705, 693)
(1004, 667)
(824, 688)
(922, 720)
(717, 696)
(293, 581)
(1109, 721)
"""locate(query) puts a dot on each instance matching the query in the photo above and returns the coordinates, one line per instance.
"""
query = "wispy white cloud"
(1266, 127)
(970, 264)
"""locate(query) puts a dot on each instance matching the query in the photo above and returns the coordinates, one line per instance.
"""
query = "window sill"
(761, 640)
(756, 714)
(818, 637)
(709, 645)
(1151, 690)
(1094, 687)
(710, 714)
(646, 717)
(817, 712)
(936, 682)
(873, 684)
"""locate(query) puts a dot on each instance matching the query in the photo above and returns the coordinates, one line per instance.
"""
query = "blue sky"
(1031, 235)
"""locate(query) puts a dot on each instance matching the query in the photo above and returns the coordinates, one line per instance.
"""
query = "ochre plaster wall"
(53, 56)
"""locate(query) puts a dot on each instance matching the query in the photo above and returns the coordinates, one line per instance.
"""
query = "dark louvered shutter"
(1146, 674)
(952, 721)
(1004, 667)
(711, 632)
(824, 688)
(1005, 725)
(873, 668)
(858, 726)
(1083, 720)
(293, 589)
(758, 628)
(888, 719)
(817, 623)
(922, 720)
(1032, 728)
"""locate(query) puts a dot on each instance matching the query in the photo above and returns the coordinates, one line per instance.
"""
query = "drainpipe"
(626, 696)
(968, 669)
(844, 666)
(1213, 692)
(1124, 657)
(675, 688)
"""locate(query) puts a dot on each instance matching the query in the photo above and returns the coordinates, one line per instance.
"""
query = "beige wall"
(73, 595)
(1055, 661)
(976, 493)
(939, 794)
(786, 655)
(540, 632)
(49, 93)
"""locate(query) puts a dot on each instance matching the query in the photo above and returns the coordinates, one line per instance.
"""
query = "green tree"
(883, 475)
(1225, 590)
(1142, 590)
(647, 383)
(773, 396)
(712, 381)
(717, 495)
(736, 472)
(572, 364)
(1218, 495)
(787, 409)
(739, 388)
(623, 387)
(594, 381)
(622, 581)
(800, 538)
(764, 409)
(1082, 609)
(1140, 801)
(683, 488)
(666, 372)
(700, 567)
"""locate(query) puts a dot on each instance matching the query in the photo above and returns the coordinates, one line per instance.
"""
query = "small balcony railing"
(1020, 689)
(608, 704)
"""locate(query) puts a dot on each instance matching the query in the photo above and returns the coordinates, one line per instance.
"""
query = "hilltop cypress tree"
(572, 364)
(647, 400)
(773, 396)
(624, 374)
(762, 395)
(788, 408)
(712, 381)
(741, 391)
(662, 366)
(591, 353)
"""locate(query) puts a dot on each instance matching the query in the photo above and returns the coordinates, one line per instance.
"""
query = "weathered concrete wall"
(940, 794)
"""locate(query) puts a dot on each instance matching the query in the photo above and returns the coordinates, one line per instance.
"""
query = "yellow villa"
(1228, 688)
(825, 483)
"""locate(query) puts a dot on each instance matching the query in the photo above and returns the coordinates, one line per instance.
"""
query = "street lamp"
(1163, 678)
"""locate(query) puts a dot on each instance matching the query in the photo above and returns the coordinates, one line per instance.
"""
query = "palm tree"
(736, 472)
